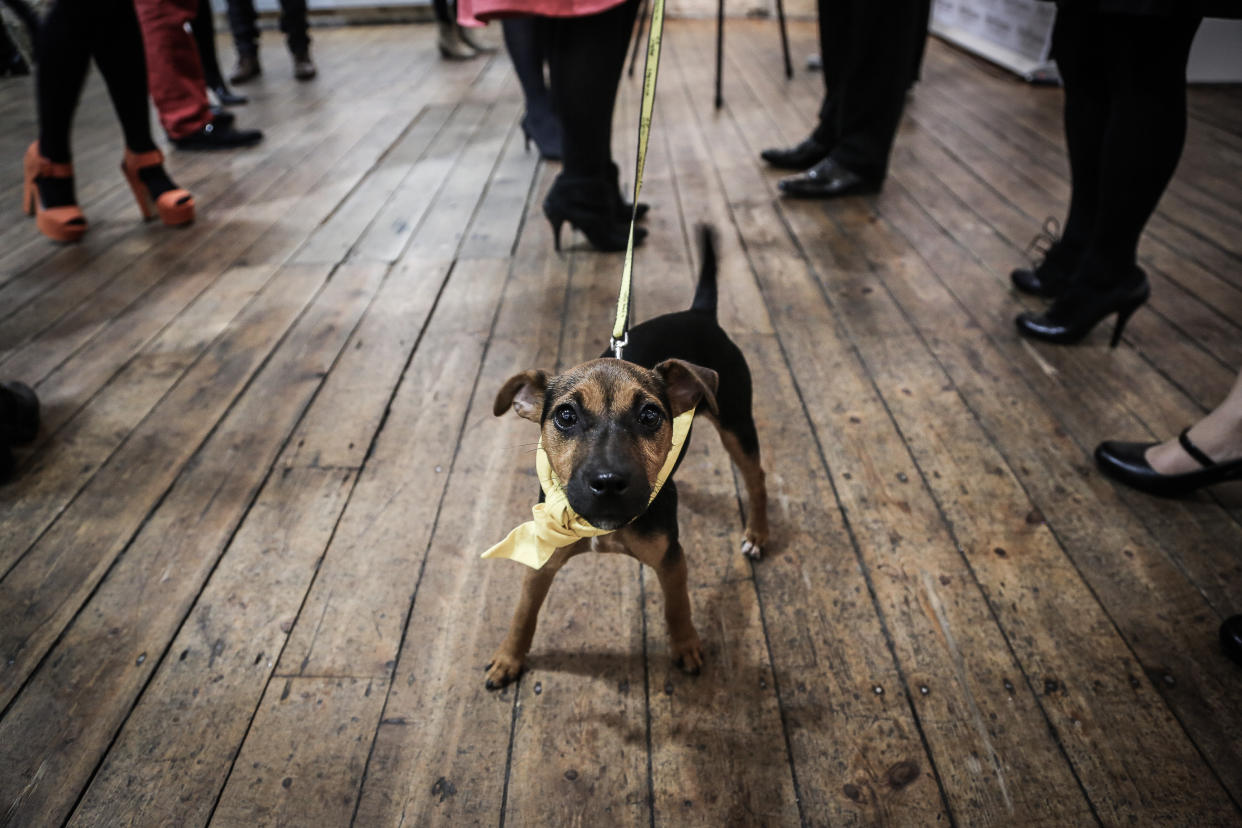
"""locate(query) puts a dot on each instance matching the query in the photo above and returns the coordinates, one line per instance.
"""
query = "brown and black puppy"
(607, 430)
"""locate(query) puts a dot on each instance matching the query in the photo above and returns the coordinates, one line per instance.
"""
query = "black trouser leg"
(293, 24)
(63, 50)
(204, 28)
(869, 89)
(586, 58)
(1144, 59)
(244, 26)
(441, 8)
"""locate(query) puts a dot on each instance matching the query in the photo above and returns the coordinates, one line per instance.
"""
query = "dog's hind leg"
(742, 443)
(510, 657)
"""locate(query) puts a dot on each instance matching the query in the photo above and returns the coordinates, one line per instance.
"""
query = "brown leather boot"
(247, 69)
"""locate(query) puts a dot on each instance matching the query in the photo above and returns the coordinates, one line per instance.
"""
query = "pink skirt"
(479, 12)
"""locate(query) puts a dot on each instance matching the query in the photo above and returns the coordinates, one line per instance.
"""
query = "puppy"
(607, 431)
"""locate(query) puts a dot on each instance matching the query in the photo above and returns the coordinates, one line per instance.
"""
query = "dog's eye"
(650, 417)
(565, 417)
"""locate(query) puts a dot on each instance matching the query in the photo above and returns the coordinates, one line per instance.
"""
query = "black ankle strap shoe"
(1127, 463)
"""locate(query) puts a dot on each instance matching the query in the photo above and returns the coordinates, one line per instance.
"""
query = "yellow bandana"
(555, 522)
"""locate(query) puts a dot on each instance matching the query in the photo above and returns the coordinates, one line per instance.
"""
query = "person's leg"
(119, 55)
(834, 50)
(243, 23)
(1075, 36)
(870, 95)
(62, 47)
(1144, 60)
(586, 58)
(64, 53)
(1218, 435)
(204, 28)
(295, 27)
(526, 42)
(175, 73)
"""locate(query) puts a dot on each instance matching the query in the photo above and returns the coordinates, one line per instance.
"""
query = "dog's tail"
(705, 293)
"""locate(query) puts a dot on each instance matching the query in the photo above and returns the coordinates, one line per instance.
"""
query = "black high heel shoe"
(588, 204)
(1127, 463)
(545, 132)
(1080, 308)
(625, 208)
(1050, 276)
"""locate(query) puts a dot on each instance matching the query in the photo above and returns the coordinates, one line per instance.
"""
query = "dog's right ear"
(524, 392)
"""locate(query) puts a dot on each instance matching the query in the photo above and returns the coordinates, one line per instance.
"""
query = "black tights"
(585, 58)
(1125, 125)
(72, 33)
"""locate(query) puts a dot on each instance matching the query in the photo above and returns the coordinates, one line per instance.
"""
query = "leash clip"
(618, 344)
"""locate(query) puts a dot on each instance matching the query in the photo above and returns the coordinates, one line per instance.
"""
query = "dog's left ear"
(688, 385)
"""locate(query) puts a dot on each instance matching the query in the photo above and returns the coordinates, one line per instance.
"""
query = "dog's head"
(607, 428)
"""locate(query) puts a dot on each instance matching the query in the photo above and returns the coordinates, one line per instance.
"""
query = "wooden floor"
(239, 573)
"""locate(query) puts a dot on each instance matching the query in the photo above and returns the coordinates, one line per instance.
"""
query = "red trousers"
(174, 69)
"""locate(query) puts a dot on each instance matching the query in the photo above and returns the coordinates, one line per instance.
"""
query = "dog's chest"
(609, 543)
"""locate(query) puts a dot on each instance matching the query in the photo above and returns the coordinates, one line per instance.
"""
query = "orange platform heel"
(61, 224)
(175, 207)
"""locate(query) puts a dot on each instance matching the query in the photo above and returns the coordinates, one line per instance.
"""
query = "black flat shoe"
(1049, 277)
(227, 97)
(222, 118)
(827, 179)
(1080, 308)
(589, 205)
(215, 136)
(1127, 463)
(803, 156)
(19, 414)
(1231, 638)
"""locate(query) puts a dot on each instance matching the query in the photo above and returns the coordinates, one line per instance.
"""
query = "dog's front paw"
(752, 546)
(503, 669)
(688, 656)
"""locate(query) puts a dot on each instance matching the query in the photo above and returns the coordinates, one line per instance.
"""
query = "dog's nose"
(607, 483)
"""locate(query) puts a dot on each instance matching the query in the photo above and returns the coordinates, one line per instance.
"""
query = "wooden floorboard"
(239, 575)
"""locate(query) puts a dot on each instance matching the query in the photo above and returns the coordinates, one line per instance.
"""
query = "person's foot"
(215, 136)
(303, 67)
(827, 179)
(247, 69)
(800, 157)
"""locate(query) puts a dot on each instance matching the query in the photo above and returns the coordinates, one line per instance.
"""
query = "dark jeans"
(870, 51)
(242, 21)
(1125, 125)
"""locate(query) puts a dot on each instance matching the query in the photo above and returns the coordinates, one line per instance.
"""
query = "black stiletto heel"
(588, 204)
(1077, 311)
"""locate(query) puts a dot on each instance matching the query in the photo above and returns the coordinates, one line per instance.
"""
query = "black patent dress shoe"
(1127, 463)
(1077, 311)
(800, 157)
(1231, 638)
(215, 136)
(227, 97)
(827, 179)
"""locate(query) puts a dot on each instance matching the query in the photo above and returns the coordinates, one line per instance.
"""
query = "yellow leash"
(554, 523)
(651, 70)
